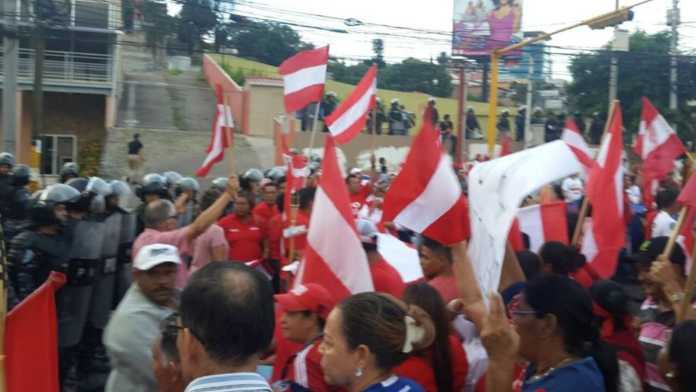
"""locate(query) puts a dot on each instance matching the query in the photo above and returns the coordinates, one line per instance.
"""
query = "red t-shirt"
(244, 237)
(446, 286)
(264, 212)
(358, 200)
(419, 368)
(305, 369)
(386, 279)
(300, 239)
(284, 348)
(274, 231)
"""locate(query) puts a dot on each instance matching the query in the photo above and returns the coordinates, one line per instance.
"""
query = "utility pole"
(614, 69)
(674, 20)
(37, 94)
(530, 94)
(10, 43)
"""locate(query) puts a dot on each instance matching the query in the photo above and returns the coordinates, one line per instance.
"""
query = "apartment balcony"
(66, 71)
(77, 15)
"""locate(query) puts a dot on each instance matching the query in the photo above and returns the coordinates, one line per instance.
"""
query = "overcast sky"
(545, 15)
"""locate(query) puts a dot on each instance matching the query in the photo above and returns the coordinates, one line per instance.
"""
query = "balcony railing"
(86, 14)
(66, 68)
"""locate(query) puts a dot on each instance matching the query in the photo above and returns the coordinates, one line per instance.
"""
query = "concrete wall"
(265, 103)
(235, 95)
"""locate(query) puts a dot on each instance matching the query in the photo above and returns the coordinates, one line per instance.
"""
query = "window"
(57, 150)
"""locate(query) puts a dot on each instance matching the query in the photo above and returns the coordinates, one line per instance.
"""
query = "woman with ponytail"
(367, 336)
(554, 329)
(443, 366)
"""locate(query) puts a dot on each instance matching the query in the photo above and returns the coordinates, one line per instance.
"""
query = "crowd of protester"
(174, 288)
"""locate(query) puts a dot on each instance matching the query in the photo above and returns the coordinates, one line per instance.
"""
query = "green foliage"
(267, 42)
(175, 72)
(378, 50)
(643, 71)
(158, 24)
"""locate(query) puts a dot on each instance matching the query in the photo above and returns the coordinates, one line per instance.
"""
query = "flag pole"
(586, 201)
(314, 129)
(374, 128)
(667, 252)
(226, 115)
(688, 290)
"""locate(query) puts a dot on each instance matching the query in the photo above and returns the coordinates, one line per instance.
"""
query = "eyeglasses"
(516, 314)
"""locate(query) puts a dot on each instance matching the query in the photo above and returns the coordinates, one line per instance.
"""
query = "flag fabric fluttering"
(426, 196)
(349, 118)
(606, 195)
(304, 76)
(31, 340)
(218, 140)
(577, 144)
(334, 256)
(658, 146)
(295, 178)
(544, 223)
(687, 198)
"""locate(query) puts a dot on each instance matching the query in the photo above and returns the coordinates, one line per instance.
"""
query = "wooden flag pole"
(586, 201)
(667, 252)
(294, 207)
(228, 133)
(688, 290)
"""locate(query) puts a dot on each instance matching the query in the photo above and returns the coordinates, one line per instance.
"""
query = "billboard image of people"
(481, 26)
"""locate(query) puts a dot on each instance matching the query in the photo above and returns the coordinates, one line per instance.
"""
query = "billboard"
(479, 26)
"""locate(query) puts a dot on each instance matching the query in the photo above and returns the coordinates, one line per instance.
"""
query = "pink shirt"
(212, 238)
(446, 286)
(178, 238)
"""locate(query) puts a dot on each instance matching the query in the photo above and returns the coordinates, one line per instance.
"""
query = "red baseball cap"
(309, 297)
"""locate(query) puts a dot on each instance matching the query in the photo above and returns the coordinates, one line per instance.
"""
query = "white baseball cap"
(153, 255)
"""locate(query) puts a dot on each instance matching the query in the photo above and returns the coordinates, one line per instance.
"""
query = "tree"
(267, 42)
(197, 18)
(158, 25)
(443, 59)
(643, 71)
(417, 75)
(378, 50)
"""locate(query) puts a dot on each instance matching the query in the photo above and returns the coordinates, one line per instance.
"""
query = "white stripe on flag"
(532, 224)
(338, 245)
(589, 245)
(352, 115)
(441, 193)
(304, 78)
(574, 139)
(217, 148)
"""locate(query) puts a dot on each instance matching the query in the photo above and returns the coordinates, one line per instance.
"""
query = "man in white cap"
(135, 324)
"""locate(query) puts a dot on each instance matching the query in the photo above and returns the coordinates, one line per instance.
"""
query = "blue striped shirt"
(230, 382)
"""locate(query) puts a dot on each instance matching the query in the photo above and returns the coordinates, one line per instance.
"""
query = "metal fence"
(62, 67)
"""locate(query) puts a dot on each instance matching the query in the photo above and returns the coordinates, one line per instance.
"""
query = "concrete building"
(80, 78)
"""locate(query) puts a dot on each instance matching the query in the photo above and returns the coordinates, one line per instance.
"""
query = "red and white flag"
(658, 146)
(687, 198)
(218, 141)
(606, 194)
(349, 118)
(304, 76)
(426, 196)
(295, 177)
(544, 223)
(334, 256)
(577, 144)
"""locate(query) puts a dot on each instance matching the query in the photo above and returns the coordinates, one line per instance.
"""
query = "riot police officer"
(189, 187)
(120, 201)
(7, 162)
(69, 171)
(154, 187)
(15, 218)
(44, 247)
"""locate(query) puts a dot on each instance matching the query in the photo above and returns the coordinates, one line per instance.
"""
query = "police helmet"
(172, 178)
(153, 184)
(253, 175)
(59, 194)
(7, 159)
(120, 188)
(187, 184)
(42, 214)
(70, 169)
(277, 173)
(21, 174)
(85, 200)
(220, 183)
(79, 183)
(154, 178)
(98, 186)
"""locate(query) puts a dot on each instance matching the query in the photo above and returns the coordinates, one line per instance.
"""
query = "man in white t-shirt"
(665, 221)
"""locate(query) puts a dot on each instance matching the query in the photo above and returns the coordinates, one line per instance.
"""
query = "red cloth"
(31, 340)
(358, 200)
(284, 348)
(264, 212)
(419, 368)
(244, 237)
(446, 286)
(629, 349)
(515, 236)
(386, 279)
(310, 369)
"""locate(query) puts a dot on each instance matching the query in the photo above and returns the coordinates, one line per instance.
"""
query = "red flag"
(544, 223)
(31, 340)
(349, 118)
(577, 144)
(295, 177)
(218, 140)
(658, 146)
(304, 76)
(334, 256)
(605, 193)
(505, 145)
(426, 196)
(687, 198)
